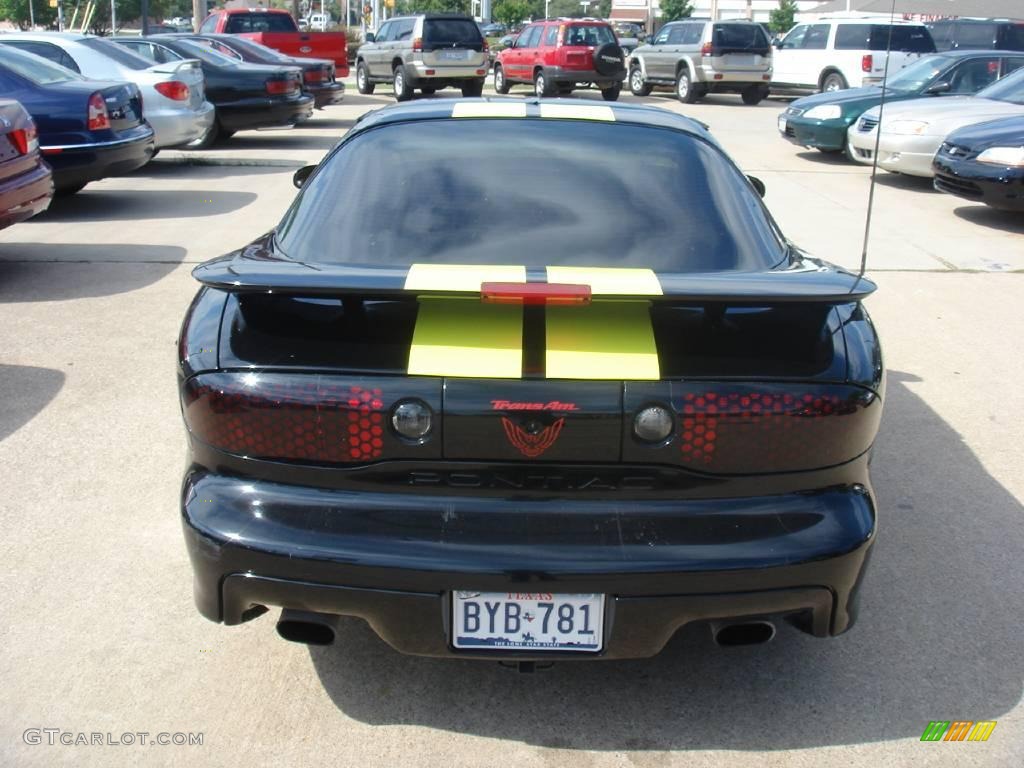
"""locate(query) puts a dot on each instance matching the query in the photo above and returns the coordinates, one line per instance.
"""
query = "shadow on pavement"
(938, 638)
(325, 122)
(294, 139)
(825, 158)
(56, 272)
(203, 168)
(903, 181)
(102, 204)
(983, 215)
(27, 391)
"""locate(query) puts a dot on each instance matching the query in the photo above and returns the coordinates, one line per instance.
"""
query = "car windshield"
(916, 76)
(437, 192)
(1010, 88)
(259, 22)
(204, 54)
(589, 34)
(117, 52)
(34, 68)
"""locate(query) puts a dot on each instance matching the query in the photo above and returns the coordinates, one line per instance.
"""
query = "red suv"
(557, 55)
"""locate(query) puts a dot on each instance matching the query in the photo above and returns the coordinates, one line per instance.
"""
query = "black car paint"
(958, 172)
(389, 540)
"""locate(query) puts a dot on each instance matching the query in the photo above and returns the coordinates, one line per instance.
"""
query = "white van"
(320, 21)
(837, 52)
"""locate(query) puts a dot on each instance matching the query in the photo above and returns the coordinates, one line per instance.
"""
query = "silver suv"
(700, 57)
(428, 52)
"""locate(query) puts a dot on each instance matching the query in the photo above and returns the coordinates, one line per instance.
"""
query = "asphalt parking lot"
(100, 633)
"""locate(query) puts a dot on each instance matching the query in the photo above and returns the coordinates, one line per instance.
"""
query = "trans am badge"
(534, 440)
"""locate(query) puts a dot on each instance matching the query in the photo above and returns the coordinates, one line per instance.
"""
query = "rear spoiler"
(803, 280)
(173, 67)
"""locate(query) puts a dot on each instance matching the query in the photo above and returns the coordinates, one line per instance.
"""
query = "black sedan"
(984, 163)
(246, 96)
(569, 445)
(88, 129)
(318, 75)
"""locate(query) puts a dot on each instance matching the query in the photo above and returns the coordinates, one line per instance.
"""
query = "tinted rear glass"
(739, 36)
(569, 192)
(118, 53)
(196, 50)
(1012, 37)
(1010, 88)
(260, 22)
(439, 31)
(589, 34)
(875, 37)
(35, 69)
(969, 35)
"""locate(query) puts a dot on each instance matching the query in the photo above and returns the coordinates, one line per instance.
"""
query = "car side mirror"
(370, 37)
(300, 176)
(943, 86)
(757, 184)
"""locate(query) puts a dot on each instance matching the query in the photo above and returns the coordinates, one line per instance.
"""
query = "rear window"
(452, 31)
(976, 35)
(589, 34)
(427, 192)
(740, 37)
(260, 22)
(118, 53)
(1012, 37)
(196, 50)
(35, 69)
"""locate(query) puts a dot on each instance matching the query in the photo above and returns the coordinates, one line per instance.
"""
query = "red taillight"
(24, 139)
(866, 62)
(314, 76)
(552, 294)
(97, 118)
(279, 87)
(707, 49)
(417, 44)
(173, 89)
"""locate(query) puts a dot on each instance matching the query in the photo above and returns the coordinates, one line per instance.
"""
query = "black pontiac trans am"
(495, 423)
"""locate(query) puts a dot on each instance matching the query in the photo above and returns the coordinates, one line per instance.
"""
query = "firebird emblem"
(531, 445)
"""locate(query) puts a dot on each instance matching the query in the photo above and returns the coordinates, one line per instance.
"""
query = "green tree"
(781, 20)
(432, 6)
(17, 11)
(675, 9)
(510, 12)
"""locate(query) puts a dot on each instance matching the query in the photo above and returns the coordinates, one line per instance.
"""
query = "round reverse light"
(411, 419)
(653, 424)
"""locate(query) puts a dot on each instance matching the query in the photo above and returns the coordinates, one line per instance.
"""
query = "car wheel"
(473, 88)
(403, 89)
(833, 82)
(542, 87)
(363, 84)
(611, 94)
(207, 139)
(753, 94)
(501, 85)
(686, 92)
(637, 85)
(428, 91)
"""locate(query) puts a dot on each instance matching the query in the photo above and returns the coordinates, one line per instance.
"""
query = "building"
(643, 11)
(928, 10)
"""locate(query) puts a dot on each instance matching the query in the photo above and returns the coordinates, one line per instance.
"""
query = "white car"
(837, 52)
(173, 94)
(913, 131)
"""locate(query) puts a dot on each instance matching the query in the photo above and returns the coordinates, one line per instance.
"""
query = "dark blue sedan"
(984, 163)
(88, 129)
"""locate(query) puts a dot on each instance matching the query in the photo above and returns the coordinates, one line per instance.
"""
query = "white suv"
(836, 52)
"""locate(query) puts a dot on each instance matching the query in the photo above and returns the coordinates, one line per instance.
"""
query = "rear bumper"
(461, 71)
(82, 163)
(25, 195)
(563, 76)
(732, 79)
(264, 113)
(174, 127)
(394, 559)
(326, 95)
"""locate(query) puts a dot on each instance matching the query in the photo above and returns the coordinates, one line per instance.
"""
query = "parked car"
(318, 75)
(87, 129)
(842, 52)
(246, 96)
(912, 131)
(320, 21)
(697, 57)
(493, 29)
(276, 28)
(822, 120)
(557, 56)
(984, 163)
(427, 52)
(630, 29)
(952, 34)
(591, 491)
(26, 184)
(173, 95)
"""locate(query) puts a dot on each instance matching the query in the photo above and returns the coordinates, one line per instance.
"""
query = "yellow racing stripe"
(460, 277)
(609, 281)
(462, 337)
(605, 340)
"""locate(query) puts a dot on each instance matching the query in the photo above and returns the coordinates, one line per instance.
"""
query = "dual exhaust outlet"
(312, 628)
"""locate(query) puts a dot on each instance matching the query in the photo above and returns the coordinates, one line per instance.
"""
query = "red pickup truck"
(277, 29)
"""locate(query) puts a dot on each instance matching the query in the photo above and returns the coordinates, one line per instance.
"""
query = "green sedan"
(821, 120)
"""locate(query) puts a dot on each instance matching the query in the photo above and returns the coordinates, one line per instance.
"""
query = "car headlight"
(906, 127)
(1010, 156)
(824, 112)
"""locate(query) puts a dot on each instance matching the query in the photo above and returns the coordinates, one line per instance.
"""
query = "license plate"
(782, 123)
(528, 621)
(453, 55)
(739, 59)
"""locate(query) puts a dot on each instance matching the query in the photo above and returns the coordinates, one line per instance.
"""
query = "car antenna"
(874, 156)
